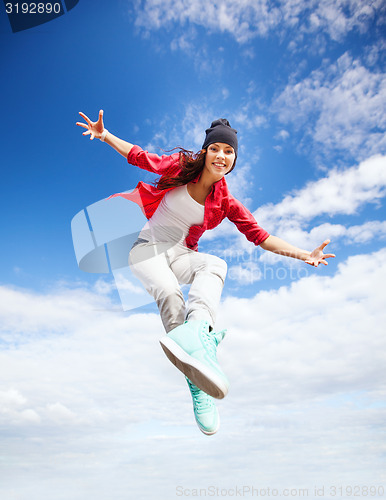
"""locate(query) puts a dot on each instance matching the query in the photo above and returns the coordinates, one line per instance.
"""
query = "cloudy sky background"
(89, 405)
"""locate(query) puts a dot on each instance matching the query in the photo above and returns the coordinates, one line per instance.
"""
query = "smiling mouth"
(219, 165)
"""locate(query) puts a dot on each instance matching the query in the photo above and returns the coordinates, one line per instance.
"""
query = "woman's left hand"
(317, 256)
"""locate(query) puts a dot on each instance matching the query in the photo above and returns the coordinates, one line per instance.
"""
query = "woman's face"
(219, 159)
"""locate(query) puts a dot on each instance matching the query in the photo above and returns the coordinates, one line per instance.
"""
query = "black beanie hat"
(221, 131)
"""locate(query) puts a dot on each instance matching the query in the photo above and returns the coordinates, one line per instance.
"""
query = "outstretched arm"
(281, 247)
(97, 130)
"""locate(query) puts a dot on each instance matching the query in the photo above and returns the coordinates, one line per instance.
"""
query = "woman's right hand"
(94, 129)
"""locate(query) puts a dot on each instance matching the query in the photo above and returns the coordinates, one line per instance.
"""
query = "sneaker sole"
(195, 370)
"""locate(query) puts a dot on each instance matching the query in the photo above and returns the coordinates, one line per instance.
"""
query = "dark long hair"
(192, 164)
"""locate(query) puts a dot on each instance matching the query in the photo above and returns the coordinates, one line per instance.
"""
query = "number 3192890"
(33, 8)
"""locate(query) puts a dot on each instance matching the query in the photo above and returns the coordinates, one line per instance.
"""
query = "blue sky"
(84, 384)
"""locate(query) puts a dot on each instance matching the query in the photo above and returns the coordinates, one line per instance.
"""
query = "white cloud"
(196, 120)
(14, 409)
(184, 42)
(367, 231)
(94, 407)
(338, 18)
(225, 93)
(339, 192)
(245, 273)
(250, 122)
(326, 333)
(243, 20)
(187, 130)
(74, 343)
(340, 107)
(240, 182)
(11, 398)
(247, 19)
(282, 135)
(375, 53)
(60, 414)
(360, 233)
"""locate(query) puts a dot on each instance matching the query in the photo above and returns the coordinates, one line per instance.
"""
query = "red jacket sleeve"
(161, 165)
(245, 222)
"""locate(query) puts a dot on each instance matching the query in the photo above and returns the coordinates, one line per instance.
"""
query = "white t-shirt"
(174, 216)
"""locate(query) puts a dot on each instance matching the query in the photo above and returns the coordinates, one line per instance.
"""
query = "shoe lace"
(201, 399)
(211, 341)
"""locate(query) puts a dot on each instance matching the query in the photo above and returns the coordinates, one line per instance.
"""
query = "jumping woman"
(190, 197)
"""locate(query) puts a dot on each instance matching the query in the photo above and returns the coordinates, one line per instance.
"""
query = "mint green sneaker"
(205, 411)
(192, 349)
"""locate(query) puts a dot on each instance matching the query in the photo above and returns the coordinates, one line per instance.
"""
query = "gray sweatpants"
(163, 267)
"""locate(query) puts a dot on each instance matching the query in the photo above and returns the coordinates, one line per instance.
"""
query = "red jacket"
(218, 205)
